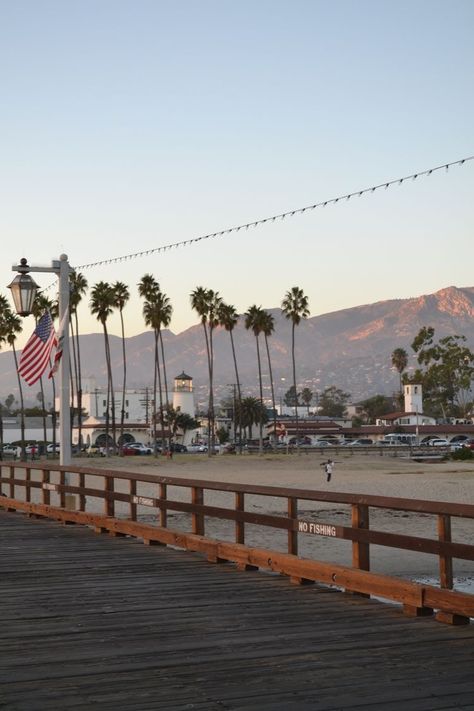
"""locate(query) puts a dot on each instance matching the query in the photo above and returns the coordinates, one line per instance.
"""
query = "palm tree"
(148, 288)
(157, 310)
(400, 362)
(13, 326)
(268, 328)
(78, 287)
(120, 298)
(306, 397)
(254, 320)
(206, 303)
(295, 307)
(166, 313)
(252, 412)
(228, 318)
(102, 304)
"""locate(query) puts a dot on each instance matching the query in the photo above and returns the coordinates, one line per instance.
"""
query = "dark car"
(128, 451)
(178, 447)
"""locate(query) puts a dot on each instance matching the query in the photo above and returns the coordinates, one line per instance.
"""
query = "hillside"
(350, 348)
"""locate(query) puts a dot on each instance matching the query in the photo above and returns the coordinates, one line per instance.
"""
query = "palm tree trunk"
(111, 386)
(272, 386)
(210, 449)
(124, 357)
(162, 422)
(79, 381)
(155, 369)
(22, 409)
(209, 414)
(294, 383)
(238, 390)
(260, 424)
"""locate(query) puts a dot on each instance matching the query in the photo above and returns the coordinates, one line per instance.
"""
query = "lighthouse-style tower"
(183, 396)
(413, 398)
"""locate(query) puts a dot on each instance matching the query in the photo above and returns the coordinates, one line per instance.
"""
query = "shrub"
(462, 454)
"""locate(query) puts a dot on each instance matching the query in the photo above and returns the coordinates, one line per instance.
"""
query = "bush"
(462, 454)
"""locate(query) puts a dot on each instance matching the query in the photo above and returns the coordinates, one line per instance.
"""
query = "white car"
(140, 447)
(439, 442)
(11, 450)
(197, 448)
(53, 448)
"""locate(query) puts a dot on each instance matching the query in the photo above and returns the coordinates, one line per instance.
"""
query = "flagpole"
(64, 392)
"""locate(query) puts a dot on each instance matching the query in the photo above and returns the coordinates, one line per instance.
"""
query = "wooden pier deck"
(96, 622)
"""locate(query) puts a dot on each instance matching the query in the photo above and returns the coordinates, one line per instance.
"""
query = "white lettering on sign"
(49, 487)
(318, 529)
(143, 500)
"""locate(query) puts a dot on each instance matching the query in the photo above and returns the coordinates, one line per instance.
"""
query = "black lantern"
(23, 289)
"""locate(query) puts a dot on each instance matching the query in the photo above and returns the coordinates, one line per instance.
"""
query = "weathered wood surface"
(97, 622)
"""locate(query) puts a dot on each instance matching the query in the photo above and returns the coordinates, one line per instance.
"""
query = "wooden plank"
(93, 622)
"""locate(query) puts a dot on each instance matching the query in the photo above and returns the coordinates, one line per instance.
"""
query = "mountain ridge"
(350, 348)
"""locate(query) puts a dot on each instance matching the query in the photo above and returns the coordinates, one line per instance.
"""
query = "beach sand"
(353, 473)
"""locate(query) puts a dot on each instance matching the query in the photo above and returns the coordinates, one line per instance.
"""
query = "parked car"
(438, 442)
(11, 450)
(193, 448)
(323, 443)
(140, 447)
(361, 442)
(53, 448)
(468, 443)
(129, 451)
(178, 447)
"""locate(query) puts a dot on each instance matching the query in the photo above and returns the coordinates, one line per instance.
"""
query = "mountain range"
(350, 349)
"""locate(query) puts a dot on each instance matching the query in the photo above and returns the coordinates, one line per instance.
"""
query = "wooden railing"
(70, 494)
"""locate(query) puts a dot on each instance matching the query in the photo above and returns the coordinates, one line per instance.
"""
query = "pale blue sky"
(130, 124)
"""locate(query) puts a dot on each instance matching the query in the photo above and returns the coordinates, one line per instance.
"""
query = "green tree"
(333, 402)
(291, 398)
(400, 362)
(229, 318)
(254, 320)
(306, 397)
(268, 328)
(78, 288)
(12, 327)
(375, 407)
(446, 372)
(252, 413)
(121, 296)
(207, 304)
(102, 305)
(295, 308)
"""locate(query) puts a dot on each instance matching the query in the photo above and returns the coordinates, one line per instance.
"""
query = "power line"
(280, 216)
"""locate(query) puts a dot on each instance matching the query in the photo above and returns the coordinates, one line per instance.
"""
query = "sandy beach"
(353, 473)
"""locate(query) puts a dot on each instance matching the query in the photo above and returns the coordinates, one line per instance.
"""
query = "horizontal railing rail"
(30, 487)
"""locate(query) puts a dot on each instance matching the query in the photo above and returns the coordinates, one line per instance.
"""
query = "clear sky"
(130, 124)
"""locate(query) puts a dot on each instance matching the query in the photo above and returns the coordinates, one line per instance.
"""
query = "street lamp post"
(23, 292)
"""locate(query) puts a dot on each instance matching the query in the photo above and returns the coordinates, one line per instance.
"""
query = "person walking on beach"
(328, 467)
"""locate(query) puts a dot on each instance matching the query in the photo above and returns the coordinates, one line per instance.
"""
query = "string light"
(272, 218)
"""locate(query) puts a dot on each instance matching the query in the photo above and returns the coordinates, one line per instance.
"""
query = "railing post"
(198, 518)
(46, 498)
(239, 525)
(109, 507)
(27, 485)
(163, 511)
(292, 534)
(132, 492)
(82, 497)
(12, 485)
(445, 561)
(360, 551)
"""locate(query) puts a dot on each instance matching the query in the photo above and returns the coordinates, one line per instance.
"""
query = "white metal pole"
(64, 392)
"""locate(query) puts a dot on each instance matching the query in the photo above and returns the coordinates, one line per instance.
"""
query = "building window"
(104, 403)
(416, 389)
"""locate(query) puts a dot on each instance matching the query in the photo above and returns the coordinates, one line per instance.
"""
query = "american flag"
(59, 343)
(35, 355)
